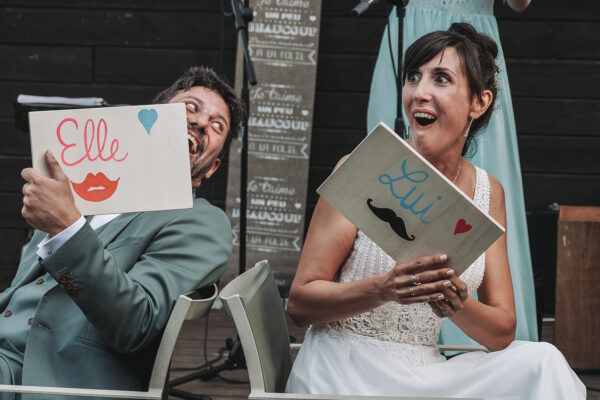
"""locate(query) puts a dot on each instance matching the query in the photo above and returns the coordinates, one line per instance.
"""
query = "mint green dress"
(497, 149)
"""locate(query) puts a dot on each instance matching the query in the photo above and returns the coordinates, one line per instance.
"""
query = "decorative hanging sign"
(284, 44)
(118, 159)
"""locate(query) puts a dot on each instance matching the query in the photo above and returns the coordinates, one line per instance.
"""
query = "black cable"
(233, 381)
(208, 364)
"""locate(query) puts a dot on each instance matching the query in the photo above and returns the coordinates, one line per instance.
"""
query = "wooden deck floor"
(189, 353)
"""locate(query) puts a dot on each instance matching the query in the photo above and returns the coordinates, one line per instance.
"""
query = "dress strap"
(481, 197)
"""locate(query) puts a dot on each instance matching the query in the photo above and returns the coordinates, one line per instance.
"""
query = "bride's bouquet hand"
(423, 280)
(455, 296)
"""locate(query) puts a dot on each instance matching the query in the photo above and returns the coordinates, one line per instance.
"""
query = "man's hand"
(48, 203)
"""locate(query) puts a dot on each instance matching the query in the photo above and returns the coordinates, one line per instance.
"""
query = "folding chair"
(188, 307)
(253, 301)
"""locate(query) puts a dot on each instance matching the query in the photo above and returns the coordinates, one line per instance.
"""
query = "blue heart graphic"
(148, 118)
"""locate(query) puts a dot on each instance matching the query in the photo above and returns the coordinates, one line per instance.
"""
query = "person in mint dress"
(496, 147)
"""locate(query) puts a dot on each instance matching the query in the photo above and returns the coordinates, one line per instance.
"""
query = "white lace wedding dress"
(392, 349)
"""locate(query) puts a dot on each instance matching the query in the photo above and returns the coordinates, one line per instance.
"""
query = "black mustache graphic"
(389, 216)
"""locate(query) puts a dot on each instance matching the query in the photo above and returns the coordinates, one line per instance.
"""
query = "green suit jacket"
(99, 325)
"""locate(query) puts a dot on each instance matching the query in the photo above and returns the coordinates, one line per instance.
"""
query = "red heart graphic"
(462, 226)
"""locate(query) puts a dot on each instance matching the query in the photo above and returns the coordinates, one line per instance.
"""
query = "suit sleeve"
(131, 308)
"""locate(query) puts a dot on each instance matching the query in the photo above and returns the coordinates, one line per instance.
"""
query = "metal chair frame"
(187, 307)
(252, 300)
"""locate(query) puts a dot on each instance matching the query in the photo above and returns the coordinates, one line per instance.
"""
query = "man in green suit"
(91, 298)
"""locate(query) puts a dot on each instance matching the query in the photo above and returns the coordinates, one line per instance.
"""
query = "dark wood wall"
(127, 50)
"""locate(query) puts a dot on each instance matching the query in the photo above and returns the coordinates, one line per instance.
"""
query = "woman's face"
(438, 104)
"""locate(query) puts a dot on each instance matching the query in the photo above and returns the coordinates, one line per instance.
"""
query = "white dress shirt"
(49, 245)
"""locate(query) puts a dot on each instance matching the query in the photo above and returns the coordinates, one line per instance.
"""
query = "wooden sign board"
(407, 207)
(284, 44)
(118, 159)
(577, 277)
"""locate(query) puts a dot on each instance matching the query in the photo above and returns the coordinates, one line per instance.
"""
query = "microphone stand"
(235, 360)
(399, 125)
(363, 6)
(241, 16)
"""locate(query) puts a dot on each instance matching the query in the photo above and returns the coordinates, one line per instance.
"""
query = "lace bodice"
(393, 322)
(456, 6)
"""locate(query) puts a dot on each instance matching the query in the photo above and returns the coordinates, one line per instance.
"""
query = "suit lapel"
(108, 232)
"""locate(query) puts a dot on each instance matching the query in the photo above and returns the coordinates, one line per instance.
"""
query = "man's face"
(208, 122)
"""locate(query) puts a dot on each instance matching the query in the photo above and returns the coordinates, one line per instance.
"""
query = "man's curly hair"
(207, 78)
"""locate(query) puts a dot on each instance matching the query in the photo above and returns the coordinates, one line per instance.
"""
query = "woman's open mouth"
(424, 119)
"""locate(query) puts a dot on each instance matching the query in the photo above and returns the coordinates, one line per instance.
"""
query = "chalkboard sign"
(283, 41)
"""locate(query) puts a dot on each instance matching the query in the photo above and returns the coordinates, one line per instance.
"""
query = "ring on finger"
(445, 312)
(411, 291)
(415, 281)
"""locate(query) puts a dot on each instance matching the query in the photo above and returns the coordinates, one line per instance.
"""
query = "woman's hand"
(423, 280)
(454, 297)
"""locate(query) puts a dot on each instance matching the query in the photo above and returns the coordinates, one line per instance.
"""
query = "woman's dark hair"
(207, 78)
(478, 54)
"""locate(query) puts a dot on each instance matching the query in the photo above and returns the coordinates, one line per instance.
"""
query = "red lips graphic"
(95, 187)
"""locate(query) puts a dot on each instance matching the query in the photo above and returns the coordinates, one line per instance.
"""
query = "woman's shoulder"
(328, 219)
(486, 189)
(497, 206)
(496, 188)
(493, 182)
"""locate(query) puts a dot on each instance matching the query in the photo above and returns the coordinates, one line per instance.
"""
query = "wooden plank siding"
(126, 51)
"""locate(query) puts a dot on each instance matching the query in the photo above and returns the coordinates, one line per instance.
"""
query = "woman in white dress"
(375, 322)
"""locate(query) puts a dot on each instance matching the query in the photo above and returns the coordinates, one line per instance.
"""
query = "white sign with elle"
(118, 159)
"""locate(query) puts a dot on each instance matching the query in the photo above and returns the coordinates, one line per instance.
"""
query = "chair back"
(193, 305)
(253, 301)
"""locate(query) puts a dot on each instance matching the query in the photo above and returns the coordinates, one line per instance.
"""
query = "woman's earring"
(468, 128)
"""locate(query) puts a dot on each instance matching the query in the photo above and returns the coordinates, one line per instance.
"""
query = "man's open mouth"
(95, 187)
(192, 144)
(424, 119)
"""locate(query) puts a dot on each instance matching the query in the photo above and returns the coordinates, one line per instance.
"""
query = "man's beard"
(199, 170)
(201, 142)
(201, 167)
